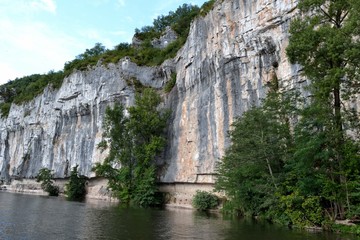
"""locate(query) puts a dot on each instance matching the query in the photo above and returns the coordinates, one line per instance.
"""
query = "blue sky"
(37, 36)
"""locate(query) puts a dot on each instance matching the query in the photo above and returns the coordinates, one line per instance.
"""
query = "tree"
(252, 168)
(76, 187)
(97, 50)
(205, 200)
(134, 143)
(45, 177)
(325, 42)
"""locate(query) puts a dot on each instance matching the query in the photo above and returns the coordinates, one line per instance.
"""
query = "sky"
(37, 36)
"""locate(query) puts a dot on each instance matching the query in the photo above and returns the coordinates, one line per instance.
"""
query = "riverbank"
(25, 216)
(96, 188)
(177, 195)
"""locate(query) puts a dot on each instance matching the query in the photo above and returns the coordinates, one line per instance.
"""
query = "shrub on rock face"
(44, 176)
(75, 188)
(204, 200)
(134, 142)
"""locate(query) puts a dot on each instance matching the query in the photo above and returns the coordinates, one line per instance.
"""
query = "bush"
(5, 109)
(27, 88)
(206, 7)
(53, 190)
(75, 188)
(170, 84)
(302, 211)
(47, 184)
(134, 142)
(204, 200)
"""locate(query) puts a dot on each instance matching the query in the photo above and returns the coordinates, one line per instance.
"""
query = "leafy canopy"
(45, 177)
(134, 142)
(27, 88)
(253, 166)
(325, 41)
(75, 189)
(305, 173)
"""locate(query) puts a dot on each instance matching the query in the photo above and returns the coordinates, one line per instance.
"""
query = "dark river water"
(40, 217)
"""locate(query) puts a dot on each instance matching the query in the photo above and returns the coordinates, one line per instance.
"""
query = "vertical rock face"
(60, 129)
(223, 69)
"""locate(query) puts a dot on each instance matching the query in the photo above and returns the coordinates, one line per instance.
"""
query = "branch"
(342, 19)
(328, 16)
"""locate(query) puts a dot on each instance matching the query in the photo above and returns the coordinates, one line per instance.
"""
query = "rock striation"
(230, 56)
(61, 128)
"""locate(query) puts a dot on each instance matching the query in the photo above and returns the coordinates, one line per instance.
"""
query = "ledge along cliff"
(224, 67)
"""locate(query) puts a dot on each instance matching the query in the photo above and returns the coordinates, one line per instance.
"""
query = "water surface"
(40, 217)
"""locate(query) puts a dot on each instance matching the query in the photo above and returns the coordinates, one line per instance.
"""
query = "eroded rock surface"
(223, 69)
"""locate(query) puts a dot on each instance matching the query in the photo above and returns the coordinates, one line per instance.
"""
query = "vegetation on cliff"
(45, 177)
(75, 188)
(134, 142)
(144, 53)
(204, 201)
(26, 88)
(306, 173)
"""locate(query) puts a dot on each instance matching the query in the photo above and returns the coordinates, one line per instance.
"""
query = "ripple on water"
(41, 218)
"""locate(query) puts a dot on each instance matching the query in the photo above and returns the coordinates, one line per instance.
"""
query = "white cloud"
(119, 33)
(7, 73)
(22, 8)
(98, 3)
(127, 36)
(96, 35)
(121, 3)
(33, 47)
(44, 5)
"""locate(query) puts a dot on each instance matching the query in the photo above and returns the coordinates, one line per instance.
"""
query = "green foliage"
(324, 43)
(5, 109)
(75, 189)
(97, 50)
(170, 84)
(206, 7)
(302, 211)
(89, 58)
(179, 21)
(45, 177)
(341, 228)
(204, 200)
(134, 142)
(307, 174)
(27, 88)
(253, 166)
(145, 54)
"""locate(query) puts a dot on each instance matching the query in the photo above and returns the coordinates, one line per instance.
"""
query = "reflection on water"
(40, 217)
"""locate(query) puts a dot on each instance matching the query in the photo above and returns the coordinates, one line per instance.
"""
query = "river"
(28, 217)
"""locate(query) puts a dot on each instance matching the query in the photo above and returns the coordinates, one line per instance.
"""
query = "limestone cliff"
(61, 128)
(224, 67)
(222, 70)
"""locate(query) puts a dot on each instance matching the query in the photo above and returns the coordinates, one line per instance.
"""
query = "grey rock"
(61, 128)
(168, 37)
(222, 70)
